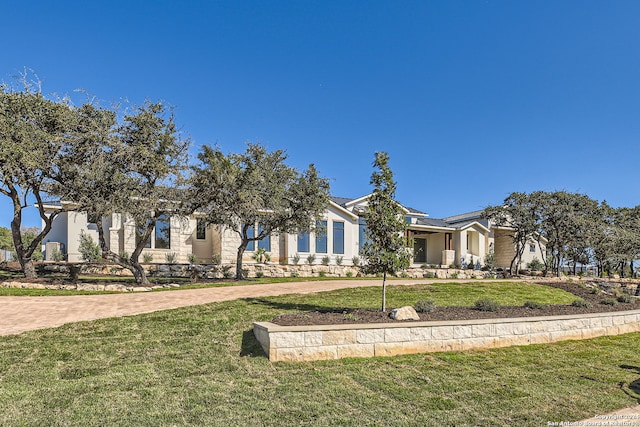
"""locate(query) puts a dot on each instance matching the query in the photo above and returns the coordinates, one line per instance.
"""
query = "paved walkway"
(19, 314)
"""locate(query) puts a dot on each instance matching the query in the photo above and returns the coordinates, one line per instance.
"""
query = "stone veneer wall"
(309, 343)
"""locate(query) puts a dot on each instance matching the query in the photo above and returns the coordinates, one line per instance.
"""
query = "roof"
(342, 201)
(464, 216)
(433, 222)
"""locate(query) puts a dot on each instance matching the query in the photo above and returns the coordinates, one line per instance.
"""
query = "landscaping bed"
(442, 313)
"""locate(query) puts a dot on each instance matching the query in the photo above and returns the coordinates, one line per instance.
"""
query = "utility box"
(50, 249)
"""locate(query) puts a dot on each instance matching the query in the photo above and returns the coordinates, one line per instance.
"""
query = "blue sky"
(472, 99)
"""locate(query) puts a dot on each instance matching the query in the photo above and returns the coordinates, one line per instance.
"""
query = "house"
(457, 240)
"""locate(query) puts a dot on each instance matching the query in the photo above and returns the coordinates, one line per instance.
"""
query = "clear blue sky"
(472, 99)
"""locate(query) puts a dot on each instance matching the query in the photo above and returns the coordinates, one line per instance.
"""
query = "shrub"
(294, 274)
(609, 301)
(355, 261)
(261, 256)
(595, 291)
(349, 273)
(171, 257)
(216, 259)
(325, 260)
(89, 250)
(429, 275)
(424, 266)
(486, 305)
(625, 298)
(425, 306)
(339, 260)
(56, 255)
(581, 303)
(192, 258)
(322, 274)
(534, 305)
(124, 254)
(295, 259)
(147, 257)
(311, 259)
(535, 265)
(259, 274)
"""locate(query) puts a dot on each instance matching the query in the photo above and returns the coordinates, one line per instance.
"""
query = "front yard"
(202, 366)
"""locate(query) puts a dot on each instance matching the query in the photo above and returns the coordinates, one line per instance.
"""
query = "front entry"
(419, 251)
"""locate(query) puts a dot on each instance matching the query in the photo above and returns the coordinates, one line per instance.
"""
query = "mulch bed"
(461, 313)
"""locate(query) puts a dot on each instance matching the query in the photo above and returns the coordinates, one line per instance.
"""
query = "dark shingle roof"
(433, 222)
(342, 201)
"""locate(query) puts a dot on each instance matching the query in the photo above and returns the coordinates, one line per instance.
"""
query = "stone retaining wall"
(309, 343)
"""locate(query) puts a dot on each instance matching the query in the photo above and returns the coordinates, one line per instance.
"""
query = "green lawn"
(202, 366)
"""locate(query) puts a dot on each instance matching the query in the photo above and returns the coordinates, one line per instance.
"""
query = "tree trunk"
(241, 249)
(29, 268)
(139, 274)
(384, 291)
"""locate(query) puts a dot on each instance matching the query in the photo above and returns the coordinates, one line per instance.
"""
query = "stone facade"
(309, 343)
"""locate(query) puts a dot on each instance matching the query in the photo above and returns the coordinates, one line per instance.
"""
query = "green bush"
(609, 301)
(88, 248)
(216, 259)
(625, 298)
(339, 260)
(535, 265)
(594, 291)
(349, 273)
(147, 257)
(486, 305)
(193, 258)
(259, 274)
(171, 257)
(294, 274)
(326, 260)
(322, 274)
(311, 259)
(355, 260)
(429, 275)
(581, 303)
(295, 259)
(425, 306)
(533, 305)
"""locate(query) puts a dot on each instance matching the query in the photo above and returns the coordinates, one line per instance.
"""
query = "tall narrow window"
(265, 242)
(321, 237)
(163, 232)
(201, 229)
(362, 232)
(303, 242)
(251, 246)
(338, 237)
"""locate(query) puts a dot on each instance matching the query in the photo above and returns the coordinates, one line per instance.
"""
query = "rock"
(404, 313)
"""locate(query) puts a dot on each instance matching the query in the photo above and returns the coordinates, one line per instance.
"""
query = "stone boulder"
(404, 313)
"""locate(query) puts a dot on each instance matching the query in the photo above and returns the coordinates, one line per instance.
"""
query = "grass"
(201, 366)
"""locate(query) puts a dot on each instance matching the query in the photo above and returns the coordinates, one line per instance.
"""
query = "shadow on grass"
(634, 386)
(250, 345)
(296, 306)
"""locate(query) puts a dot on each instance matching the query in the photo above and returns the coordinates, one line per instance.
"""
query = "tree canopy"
(256, 194)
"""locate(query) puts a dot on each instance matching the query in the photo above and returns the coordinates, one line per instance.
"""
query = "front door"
(419, 251)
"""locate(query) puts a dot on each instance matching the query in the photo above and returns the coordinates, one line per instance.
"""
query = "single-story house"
(456, 240)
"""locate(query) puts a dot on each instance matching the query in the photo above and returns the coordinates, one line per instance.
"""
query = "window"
(362, 232)
(303, 242)
(532, 248)
(163, 232)
(338, 237)
(265, 242)
(201, 229)
(251, 246)
(321, 237)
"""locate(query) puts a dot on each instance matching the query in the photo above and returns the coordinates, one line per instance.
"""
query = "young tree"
(239, 191)
(33, 133)
(385, 251)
